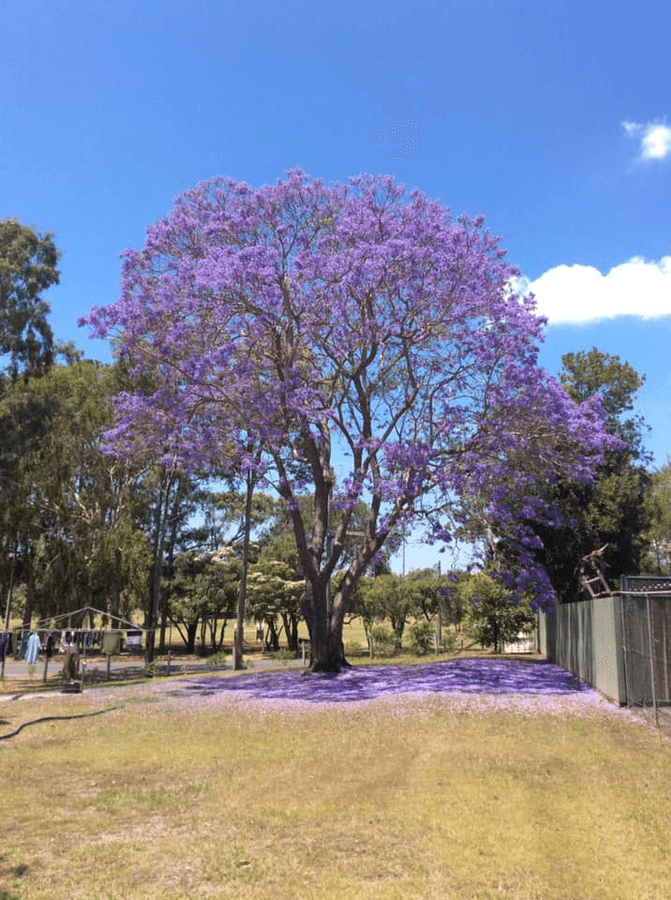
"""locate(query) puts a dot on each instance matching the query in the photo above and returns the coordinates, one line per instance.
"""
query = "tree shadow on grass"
(473, 676)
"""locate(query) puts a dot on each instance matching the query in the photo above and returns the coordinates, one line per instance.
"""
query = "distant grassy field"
(420, 796)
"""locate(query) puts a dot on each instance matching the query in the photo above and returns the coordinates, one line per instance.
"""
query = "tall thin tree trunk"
(240, 619)
(160, 526)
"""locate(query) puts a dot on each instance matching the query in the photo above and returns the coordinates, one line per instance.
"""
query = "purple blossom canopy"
(281, 327)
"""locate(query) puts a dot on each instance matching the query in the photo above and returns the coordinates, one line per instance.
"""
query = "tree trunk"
(220, 642)
(164, 626)
(160, 527)
(238, 662)
(273, 638)
(327, 653)
(30, 594)
(115, 599)
(191, 632)
(291, 630)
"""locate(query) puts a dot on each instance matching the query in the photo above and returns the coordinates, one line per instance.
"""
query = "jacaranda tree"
(303, 326)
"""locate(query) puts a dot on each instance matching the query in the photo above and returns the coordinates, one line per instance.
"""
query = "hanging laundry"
(32, 649)
(134, 641)
(111, 642)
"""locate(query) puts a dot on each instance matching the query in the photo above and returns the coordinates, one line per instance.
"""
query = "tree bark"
(240, 619)
(327, 653)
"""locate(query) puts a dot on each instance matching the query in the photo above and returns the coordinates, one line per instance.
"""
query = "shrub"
(217, 659)
(492, 617)
(423, 637)
(449, 641)
(384, 640)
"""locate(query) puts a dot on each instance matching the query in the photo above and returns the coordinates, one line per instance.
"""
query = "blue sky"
(550, 118)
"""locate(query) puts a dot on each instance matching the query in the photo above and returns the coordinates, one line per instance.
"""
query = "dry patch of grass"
(424, 797)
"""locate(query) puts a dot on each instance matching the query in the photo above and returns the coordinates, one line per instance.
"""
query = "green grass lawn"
(410, 797)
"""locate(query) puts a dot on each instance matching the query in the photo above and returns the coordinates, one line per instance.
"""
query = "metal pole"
(665, 652)
(652, 662)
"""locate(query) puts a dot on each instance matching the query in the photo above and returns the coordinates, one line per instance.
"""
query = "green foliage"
(217, 659)
(384, 640)
(353, 649)
(448, 641)
(491, 615)
(658, 556)
(203, 588)
(28, 266)
(587, 373)
(274, 592)
(226, 511)
(422, 637)
(68, 512)
(421, 594)
(388, 597)
(614, 510)
(424, 587)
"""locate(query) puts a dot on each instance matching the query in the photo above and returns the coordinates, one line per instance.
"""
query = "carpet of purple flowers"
(471, 676)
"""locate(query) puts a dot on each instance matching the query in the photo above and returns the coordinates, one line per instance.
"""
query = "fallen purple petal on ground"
(475, 676)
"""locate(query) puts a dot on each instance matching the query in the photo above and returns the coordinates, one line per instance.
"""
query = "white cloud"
(581, 294)
(655, 138)
(656, 142)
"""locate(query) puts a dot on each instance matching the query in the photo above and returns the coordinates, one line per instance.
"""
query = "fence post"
(652, 661)
(624, 647)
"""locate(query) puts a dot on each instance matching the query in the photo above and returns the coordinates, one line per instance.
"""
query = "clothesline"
(51, 620)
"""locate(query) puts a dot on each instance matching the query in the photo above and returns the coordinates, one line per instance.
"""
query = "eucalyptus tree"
(613, 510)
(202, 592)
(658, 555)
(351, 341)
(70, 507)
(390, 597)
(28, 266)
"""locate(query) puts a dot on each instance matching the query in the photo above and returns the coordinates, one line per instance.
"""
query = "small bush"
(449, 641)
(384, 640)
(492, 617)
(423, 637)
(217, 659)
(353, 648)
